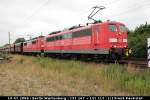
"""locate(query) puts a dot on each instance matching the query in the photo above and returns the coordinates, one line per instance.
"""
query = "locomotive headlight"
(42, 46)
(112, 39)
(124, 40)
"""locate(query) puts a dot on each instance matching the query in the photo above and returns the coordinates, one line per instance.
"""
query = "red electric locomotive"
(107, 38)
(34, 46)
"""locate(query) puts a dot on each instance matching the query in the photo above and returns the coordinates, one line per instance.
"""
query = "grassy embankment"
(45, 76)
(113, 76)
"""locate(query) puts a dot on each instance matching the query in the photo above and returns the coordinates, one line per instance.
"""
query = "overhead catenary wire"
(36, 11)
(108, 4)
(130, 8)
(46, 1)
(112, 2)
(26, 20)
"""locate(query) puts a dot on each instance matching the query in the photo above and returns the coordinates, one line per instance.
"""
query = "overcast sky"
(23, 17)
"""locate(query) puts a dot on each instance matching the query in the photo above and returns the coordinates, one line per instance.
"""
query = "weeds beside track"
(113, 76)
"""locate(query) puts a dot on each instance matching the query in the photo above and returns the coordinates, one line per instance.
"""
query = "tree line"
(137, 40)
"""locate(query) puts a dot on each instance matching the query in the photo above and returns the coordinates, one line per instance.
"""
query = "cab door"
(122, 35)
(95, 36)
(41, 44)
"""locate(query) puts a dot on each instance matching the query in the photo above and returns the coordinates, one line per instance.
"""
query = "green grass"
(110, 77)
(136, 83)
(2, 55)
(72, 68)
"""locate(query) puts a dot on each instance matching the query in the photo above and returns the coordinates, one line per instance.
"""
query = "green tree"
(6, 45)
(19, 40)
(137, 40)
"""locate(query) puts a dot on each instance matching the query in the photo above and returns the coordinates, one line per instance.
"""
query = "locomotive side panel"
(82, 39)
(35, 45)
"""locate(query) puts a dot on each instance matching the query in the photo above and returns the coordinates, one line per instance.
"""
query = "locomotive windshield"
(122, 28)
(112, 28)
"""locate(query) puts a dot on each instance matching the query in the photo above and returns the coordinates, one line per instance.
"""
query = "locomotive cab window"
(112, 28)
(122, 28)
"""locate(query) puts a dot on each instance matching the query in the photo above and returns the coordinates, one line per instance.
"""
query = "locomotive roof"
(72, 29)
(112, 22)
(77, 28)
(35, 38)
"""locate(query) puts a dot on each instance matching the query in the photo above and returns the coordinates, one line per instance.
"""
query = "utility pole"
(9, 40)
(30, 36)
(9, 37)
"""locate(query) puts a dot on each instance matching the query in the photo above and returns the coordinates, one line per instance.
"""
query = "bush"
(137, 40)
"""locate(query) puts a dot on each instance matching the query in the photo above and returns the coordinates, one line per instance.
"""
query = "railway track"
(131, 62)
(138, 63)
(135, 63)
